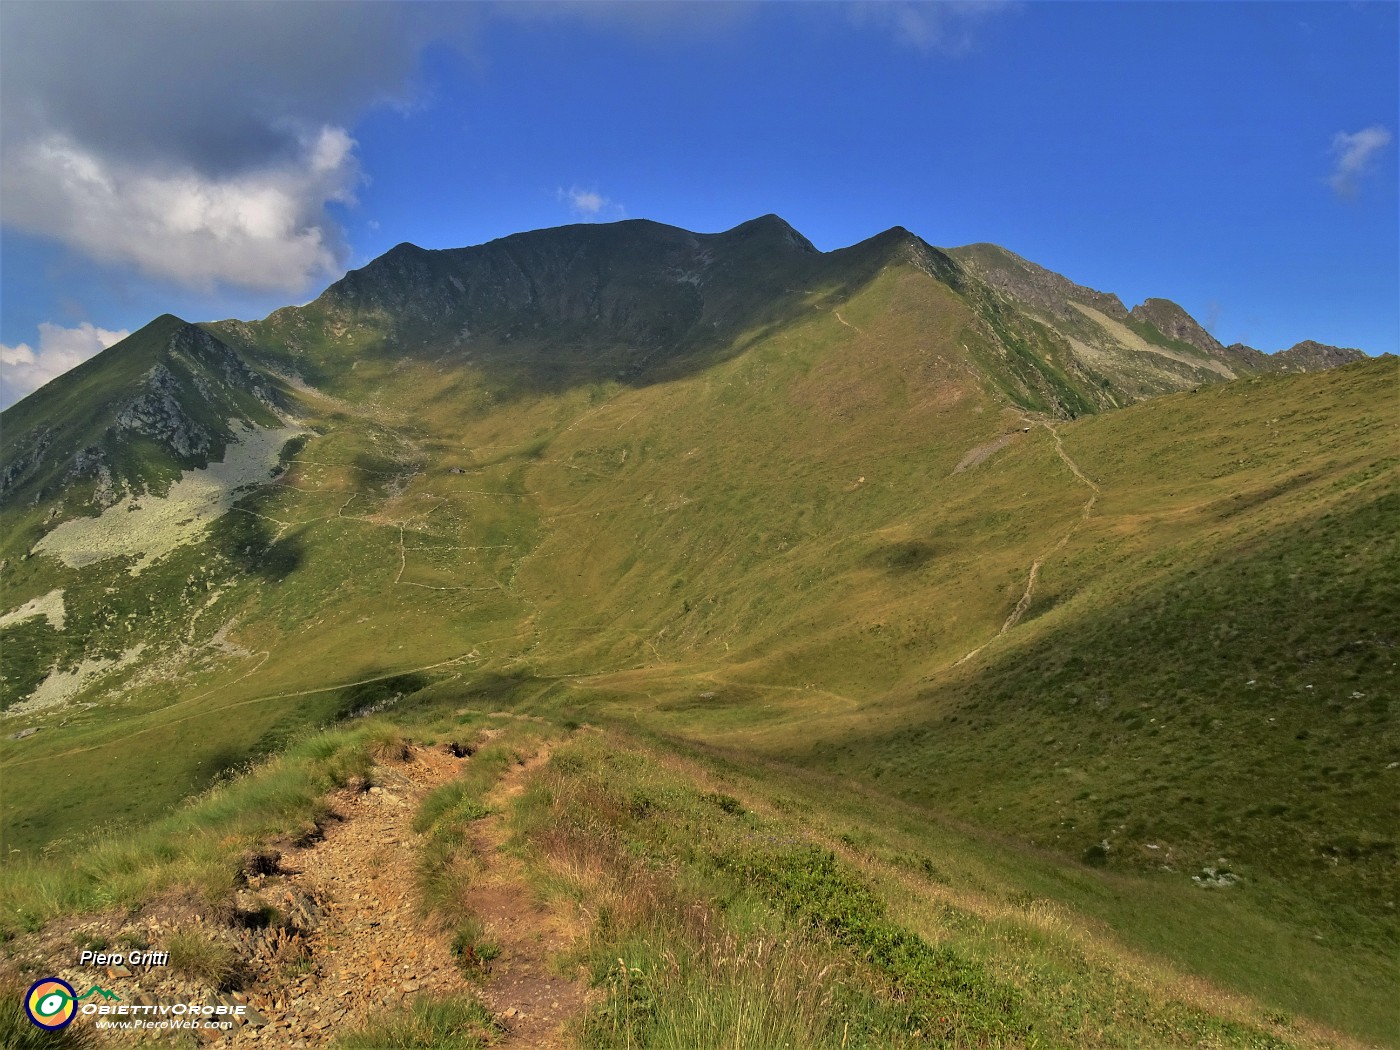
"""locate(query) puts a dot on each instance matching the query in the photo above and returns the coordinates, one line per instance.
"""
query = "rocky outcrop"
(1310, 356)
(1307, 356)
(158, 414)
(1025, 282)
(164, 404)
(1175, 323)
(26, 460)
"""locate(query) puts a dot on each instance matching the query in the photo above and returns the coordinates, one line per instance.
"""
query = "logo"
(51, 1003)
(99, 990)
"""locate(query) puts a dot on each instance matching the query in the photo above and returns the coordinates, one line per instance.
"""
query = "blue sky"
(218, 160)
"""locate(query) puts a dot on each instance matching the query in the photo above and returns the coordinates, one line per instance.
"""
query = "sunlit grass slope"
(716, 902)
(803, 547)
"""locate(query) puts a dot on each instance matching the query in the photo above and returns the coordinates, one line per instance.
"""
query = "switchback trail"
(1025, 601)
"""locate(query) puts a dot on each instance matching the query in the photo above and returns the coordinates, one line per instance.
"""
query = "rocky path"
(329, 932)
(367, 946)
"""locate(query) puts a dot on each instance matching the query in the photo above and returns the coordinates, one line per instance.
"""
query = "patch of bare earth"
(976, 455)
(373, 949)
(366, 946)
(523, 988)
(347, 939)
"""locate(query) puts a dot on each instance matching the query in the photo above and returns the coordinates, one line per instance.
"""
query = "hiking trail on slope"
(369, 947)
(1025, 601)
(522, 988)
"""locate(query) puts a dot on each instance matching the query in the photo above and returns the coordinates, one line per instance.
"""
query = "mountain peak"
(1175, 323)
(770, 221)
(1031, 283)
(770, 227)
(130, 418)
(1312, 356)
(900, 232)
(164, 320)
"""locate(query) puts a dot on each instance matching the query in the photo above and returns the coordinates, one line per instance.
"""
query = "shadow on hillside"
(367, 698)
(607, 314)
(1242, 699)
(374, 475)
(515, 370)
(248, 538)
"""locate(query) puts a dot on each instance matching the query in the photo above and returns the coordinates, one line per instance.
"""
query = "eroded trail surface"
(523, 988)
(366, 945)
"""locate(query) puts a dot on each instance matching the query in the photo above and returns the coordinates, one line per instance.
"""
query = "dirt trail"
(845, 322)
(523, 988)
(367, 946)
(1029, 593)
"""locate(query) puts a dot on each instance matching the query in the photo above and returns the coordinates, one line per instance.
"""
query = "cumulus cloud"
(949, 27)
(264, 229)
(1355, 154)
(24, 369)
(202, 143)
(216, 87)
(590, 204)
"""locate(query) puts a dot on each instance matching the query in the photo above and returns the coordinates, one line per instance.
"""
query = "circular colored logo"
(51, 1003)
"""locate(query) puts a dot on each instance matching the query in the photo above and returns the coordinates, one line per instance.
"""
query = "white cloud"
(264, 229)
(122, 140)
(24, 369)
(949, 26)
(1355, 152)
(589, 204)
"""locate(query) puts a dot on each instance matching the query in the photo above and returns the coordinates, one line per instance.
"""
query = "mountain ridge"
(636, 301)
(673, 295)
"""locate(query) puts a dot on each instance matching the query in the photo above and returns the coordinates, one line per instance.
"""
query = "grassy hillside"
(711, 901)
(852, 562)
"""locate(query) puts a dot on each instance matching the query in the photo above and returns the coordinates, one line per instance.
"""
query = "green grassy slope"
(1208, 664)
(800, 544)
(715, 901)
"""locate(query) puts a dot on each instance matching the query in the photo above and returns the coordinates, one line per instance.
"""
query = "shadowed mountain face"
(639, 302)
(636, 281)
(633, 302)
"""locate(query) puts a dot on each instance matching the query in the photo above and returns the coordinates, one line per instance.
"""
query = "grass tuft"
(472, 949)
(429, 1024)
(204, 957)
